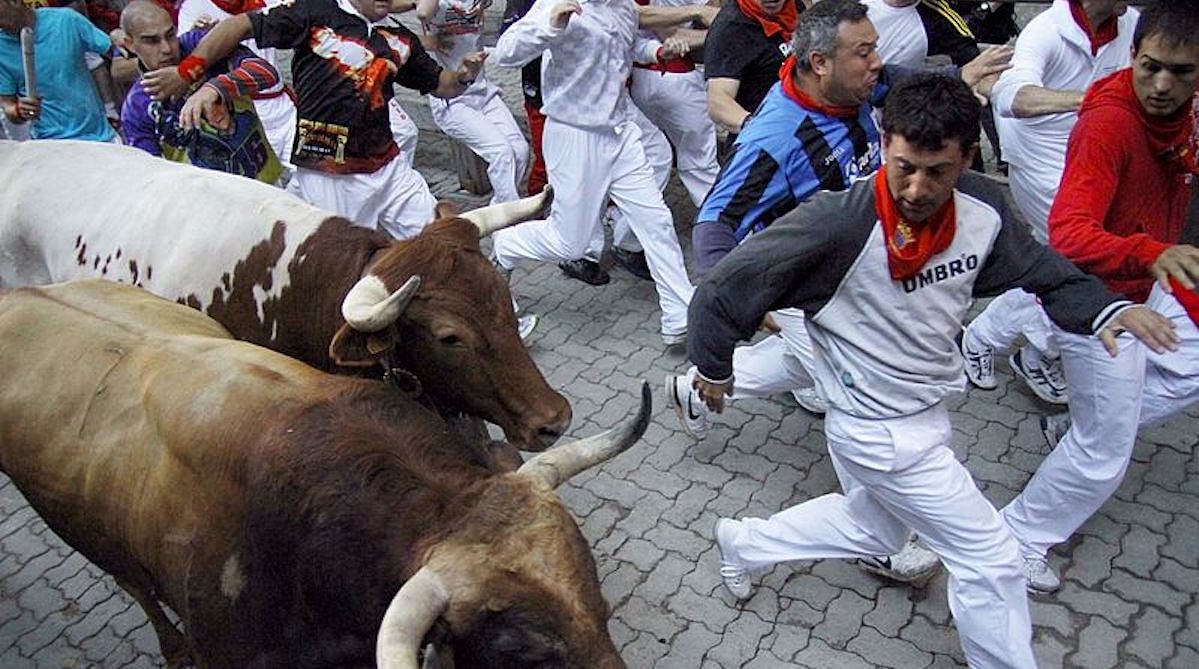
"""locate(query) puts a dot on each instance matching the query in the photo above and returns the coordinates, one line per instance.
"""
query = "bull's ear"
(351, 348)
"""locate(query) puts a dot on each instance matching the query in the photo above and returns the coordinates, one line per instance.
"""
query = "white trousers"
(1171, 378)
(1034, 198)
(776, 364)
(1013, 314)
(677, 102)
(278, 117)
(896, 474)
(657, 152)
(481, 121)
(394, 198)
(1087, 465)
(586, 166)
(403, 131)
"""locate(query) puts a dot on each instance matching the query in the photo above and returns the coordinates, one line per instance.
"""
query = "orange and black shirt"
(343, 70)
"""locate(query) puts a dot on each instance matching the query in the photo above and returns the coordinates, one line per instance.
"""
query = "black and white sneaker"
(913, 564)
(1045, 378)
(979, 359)
(692, 411)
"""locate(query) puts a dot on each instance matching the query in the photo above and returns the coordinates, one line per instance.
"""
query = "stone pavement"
(1131, 576)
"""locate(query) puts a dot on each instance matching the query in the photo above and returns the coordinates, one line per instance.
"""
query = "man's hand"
(1155, 330)
(1180, 261)
(992, 60)
(673, 47)
(560, 14)
(204, 21)
(472, 65)
(770, 325)
(205, 104)
(164, 83)
(982, 90)
(27, 109)
(713, 394)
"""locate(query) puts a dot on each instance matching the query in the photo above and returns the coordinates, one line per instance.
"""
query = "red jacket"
(1119, 204)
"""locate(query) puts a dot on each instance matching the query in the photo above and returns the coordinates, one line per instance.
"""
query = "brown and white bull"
(291, 518)
(281, 273)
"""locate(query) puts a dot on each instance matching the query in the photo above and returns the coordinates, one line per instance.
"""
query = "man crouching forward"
(886, 271)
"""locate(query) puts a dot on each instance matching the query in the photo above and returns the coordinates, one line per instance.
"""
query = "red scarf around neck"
(1106, 32)
(782, 23)
(787, 76)
(910, 244)
(1169, 137)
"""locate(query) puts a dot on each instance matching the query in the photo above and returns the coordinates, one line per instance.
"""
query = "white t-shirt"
(901, 36)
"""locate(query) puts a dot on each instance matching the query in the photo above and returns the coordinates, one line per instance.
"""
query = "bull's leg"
(174, 646)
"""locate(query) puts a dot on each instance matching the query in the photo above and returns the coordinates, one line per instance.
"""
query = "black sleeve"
(947, 32)
(283, 26)
(420, 72)
(1071, 298)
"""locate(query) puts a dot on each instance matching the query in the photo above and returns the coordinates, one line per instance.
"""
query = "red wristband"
(192, 68)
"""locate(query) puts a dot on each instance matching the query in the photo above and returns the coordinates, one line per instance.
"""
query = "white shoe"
(732, 573)
(913, 564)
(980, 361)
(1054, 427)
(1044, 377)
(1039, 577)
(525, 326)
(693, 413)
(811, 400)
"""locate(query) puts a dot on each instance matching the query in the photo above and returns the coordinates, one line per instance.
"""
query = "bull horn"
(369, 307)
(411, 613)
(499, 216)
(558, 464)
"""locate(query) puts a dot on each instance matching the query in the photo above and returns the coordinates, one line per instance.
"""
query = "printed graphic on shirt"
(357, 62)
(243, 149)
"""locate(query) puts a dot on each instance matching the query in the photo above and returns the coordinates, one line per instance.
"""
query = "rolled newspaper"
(27, 60)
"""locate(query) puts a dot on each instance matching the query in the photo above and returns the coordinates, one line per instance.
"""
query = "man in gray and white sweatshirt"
(885, 290)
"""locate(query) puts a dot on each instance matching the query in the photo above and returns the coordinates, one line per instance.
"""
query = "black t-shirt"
(947, 32)
(738, 48)
(343, 73)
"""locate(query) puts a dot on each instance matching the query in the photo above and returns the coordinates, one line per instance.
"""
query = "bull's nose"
(549, 433)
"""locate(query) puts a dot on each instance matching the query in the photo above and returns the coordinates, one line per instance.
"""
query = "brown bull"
(276, 271)
(291, 518)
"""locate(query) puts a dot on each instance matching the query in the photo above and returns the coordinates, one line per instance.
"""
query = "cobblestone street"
(1130, 595)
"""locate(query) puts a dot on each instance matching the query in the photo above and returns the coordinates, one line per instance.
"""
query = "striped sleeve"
(250, 76)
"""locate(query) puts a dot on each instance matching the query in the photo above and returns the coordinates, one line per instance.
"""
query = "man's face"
(1164, 75)
(154, 41)
(772, 7)
(921, 180)
(851, 70)
(14, 16)
(373, 10)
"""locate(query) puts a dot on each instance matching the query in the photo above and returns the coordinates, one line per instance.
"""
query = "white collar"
(348, 8)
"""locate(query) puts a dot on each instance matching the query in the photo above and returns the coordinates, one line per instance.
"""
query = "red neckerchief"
(1169, 136)
(1105, 33)
(782, 23)
(787, 76)
(1187, 298)
(910, 245)
(238, 6)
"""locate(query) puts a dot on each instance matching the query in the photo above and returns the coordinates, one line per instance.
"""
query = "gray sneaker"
(913, 564)
(1039, 577)
(732, 573)
(1045, 379)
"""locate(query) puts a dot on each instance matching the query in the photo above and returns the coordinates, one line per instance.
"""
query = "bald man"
(230, 138)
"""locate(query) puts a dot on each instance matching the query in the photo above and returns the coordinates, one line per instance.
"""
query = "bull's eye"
(450, 340)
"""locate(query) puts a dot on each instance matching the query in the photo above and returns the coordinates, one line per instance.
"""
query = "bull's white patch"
(233, 579)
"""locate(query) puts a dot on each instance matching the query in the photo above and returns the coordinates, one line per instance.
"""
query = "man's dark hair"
(928, 110)
(817, 28)
(1175, 22)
